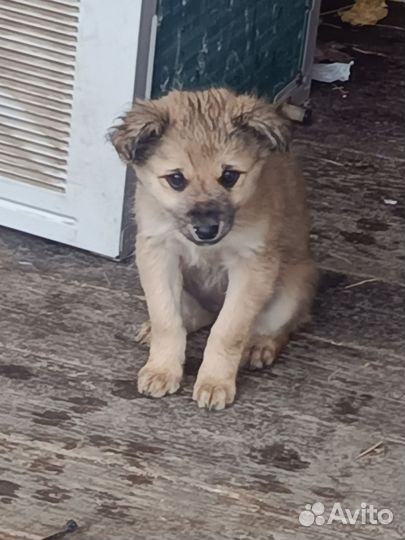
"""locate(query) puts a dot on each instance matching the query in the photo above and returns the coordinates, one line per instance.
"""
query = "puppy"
(223, 235)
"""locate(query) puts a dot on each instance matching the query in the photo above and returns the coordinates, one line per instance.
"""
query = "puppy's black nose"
(205, 220)
(207, 232)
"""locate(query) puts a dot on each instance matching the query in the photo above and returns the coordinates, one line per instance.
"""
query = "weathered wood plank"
(29, 254)
(259, 462)
(364, 314)
(246, 451)
(354, 229)
(130, 499)
(63, 314)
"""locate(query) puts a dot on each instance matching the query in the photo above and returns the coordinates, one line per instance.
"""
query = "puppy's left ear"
(140, 131)
(263, 121)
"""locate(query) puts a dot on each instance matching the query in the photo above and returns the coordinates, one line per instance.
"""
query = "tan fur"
(257, 283)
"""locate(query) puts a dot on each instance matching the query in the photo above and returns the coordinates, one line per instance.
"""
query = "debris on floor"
(365, 12)
(374, 450)
(391, 202)
(70, 527)
(329, 73)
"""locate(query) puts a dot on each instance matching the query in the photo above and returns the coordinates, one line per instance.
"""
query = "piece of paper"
(329, 73)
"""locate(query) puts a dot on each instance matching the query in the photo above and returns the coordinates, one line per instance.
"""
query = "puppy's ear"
(263, 121)
(140, 131)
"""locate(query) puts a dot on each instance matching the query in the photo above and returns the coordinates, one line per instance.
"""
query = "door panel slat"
(37, 67)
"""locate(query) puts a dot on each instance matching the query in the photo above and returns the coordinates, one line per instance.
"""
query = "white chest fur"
(205, 268)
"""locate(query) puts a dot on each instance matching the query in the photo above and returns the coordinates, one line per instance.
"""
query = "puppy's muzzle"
(206, 224)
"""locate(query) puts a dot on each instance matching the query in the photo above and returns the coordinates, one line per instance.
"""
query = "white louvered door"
(67, 70)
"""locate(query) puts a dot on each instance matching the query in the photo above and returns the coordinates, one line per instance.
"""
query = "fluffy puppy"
(223, 235)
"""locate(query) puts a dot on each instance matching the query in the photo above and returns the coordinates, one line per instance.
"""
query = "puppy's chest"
(205, 276)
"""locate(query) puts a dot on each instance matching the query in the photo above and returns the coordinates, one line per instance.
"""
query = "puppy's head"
(200, 154)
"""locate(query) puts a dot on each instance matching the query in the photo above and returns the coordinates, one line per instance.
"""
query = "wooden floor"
(78, 442)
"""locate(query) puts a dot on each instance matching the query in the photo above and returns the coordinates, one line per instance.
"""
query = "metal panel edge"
(298, 91)
(144, 65)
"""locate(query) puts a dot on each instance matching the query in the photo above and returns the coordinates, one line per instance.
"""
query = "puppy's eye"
(176, 181)
(229, 178)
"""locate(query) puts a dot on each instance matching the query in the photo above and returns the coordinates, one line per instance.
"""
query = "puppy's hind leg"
(263, 350)
(193, 314)
(143, 333)
(287, 310)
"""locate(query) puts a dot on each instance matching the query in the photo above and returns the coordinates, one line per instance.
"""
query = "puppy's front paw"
(157, 382)
(214, 393)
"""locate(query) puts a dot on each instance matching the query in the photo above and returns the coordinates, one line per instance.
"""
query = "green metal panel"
(248, 45)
